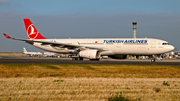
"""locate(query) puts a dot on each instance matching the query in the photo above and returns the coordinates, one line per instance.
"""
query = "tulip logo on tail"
(32, 31)
(32, 34)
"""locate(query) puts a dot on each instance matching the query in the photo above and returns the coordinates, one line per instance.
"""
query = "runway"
(8, 59)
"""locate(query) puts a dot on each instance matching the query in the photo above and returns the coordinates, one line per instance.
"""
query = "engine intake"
(90, 54)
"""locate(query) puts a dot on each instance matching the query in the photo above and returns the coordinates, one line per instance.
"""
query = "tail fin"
(32, 31)
(24, 50)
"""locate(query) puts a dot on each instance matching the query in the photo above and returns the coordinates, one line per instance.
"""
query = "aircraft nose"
(172, 47)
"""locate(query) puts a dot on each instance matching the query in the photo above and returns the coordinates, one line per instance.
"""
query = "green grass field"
(89, 82)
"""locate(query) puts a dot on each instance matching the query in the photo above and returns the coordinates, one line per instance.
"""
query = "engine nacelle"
(90, 54)
(118, 56)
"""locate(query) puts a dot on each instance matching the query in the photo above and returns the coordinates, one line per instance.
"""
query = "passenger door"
(153, 44)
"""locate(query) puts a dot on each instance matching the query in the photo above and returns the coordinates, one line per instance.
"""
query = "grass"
(35, 82)
(166, 83)
(51, 66)
(117, 97)
(91, 71)
(11, 54)
(89, 89)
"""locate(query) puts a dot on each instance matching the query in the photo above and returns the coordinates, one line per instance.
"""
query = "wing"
(57, 44)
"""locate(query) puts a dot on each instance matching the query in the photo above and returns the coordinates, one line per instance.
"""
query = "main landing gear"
(80, 58)
(94, 59)
(77, 58)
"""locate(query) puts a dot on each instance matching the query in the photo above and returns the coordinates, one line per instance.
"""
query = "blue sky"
(64, 7)
(89, 19)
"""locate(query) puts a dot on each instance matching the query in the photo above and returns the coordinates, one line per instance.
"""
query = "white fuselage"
(49, 54)
(33, 53)
(126, 46)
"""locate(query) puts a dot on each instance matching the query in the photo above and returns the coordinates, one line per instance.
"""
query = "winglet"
(7, 36)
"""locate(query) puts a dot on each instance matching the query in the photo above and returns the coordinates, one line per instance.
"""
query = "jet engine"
(90, 54)
(118, 56)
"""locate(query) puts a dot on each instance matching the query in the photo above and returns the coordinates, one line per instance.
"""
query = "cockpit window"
(165, 44)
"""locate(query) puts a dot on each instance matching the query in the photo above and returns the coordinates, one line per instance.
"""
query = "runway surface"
(11, 59)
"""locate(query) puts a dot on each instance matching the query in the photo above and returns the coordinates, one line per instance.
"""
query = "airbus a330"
(93, 49)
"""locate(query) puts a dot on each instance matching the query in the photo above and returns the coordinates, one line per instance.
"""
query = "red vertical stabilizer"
(32, 31)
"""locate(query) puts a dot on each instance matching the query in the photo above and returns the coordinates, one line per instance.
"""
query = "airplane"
(50, 54)
(93, 49)
(31, 53)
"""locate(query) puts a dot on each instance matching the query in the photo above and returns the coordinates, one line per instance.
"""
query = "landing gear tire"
(81, 58)
(153, 60)
(77, 58)
(94, 59)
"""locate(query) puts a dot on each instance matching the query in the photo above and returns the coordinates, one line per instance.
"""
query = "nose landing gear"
(153, 60)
